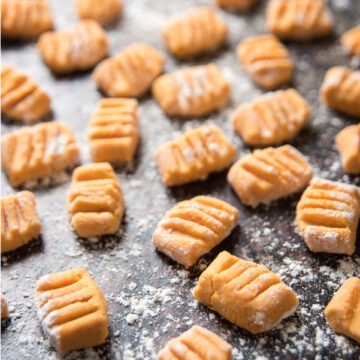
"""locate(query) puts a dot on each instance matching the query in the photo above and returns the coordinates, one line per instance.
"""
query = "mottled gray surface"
(149, 296)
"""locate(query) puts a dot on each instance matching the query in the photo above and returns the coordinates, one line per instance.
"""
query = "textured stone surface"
(149, 296)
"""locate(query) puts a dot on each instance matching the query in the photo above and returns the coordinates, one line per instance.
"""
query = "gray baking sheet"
(149, 296)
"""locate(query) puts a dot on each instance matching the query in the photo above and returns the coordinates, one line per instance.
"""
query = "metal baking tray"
(149, 296)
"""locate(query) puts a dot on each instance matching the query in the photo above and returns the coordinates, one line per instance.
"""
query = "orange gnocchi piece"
(21, 98)
(72, 310)
(25, 19)
(196, 343)
(194, 32)
(193, 227)
(114, 130)
(269, 174)
(131, 72)
(340, 90)
(351, 41)
(343, 311)
(194, 91)
(299, 20)
(266, 60)
(272, 119)
(19, 221)
(237, 5)
(36, 152)
(194, 155)
(95, 201)
(327, 216)
(4, 308)
(104, 12)
(348, 144)
(245, 293)
(77, 48)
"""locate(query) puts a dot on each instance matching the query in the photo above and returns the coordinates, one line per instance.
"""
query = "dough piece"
(343, 311)
(38, 151)
(21, 98)
(114, 130)
(194, 32)
(22, 19)
(266, 60)
(245, 293)
(351, 41)
(104, 12)
(19, 220)
(340, 90)
(237, 5)
(196, 343)
(95, 201)
(194, 91)
(348, 144)
(194, 155)
(77, 48)
(327, 216)
(299, 20)
(269, 174)
(4, 308)
(72, 310)
(193, 227)
(130, 72)
(272, 119)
